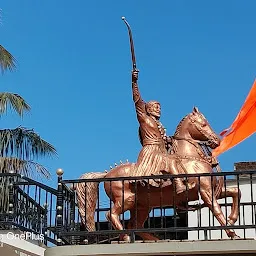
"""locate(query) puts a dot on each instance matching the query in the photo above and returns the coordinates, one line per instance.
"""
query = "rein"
(203, 158)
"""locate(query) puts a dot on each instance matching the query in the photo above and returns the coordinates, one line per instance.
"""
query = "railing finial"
(59, 172)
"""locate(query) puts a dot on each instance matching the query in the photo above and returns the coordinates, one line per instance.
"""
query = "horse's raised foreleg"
(211, 202)
(118, 208)
(235, 193)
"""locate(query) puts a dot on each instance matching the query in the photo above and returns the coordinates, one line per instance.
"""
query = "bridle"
(199, 128)
(200, 146)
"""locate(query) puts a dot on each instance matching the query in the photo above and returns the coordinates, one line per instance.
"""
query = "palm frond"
(27, 168)
(7, 61)
(24, 144)
(13, 100)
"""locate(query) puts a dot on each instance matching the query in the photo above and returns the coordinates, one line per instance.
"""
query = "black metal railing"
(30, 206)
(34, 207)
(183, 219)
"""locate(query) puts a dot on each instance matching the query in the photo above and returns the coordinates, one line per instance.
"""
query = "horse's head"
(200, 129)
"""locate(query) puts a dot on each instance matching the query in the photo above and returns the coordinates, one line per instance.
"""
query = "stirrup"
(191, 185)
(180, 189)
(183, 188)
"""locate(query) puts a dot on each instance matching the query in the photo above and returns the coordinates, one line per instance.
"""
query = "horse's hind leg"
(235, 193)
(137, 222)
(120, 206)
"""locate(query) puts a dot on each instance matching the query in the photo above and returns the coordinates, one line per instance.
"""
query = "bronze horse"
(192, 159)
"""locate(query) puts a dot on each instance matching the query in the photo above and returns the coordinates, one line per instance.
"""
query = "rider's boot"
(180, 187)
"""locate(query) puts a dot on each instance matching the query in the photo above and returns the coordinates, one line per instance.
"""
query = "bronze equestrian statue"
(192, 160)
(185, 157)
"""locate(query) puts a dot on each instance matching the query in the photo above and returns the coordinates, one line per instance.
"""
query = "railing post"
(11, 199)
(45, 232)
(59, 210)
(72, 215)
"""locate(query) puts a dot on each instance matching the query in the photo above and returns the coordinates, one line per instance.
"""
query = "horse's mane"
(177, 132)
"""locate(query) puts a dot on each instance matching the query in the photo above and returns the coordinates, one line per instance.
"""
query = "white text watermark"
(22, 236)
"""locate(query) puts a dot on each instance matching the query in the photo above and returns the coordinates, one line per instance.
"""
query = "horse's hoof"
(235, 237)
(230, 222)
(85, 241)
(125, 238)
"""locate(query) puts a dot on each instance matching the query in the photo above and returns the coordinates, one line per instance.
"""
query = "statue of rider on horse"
(183, 153)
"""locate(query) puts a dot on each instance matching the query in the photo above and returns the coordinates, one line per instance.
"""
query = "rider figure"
(153, 158)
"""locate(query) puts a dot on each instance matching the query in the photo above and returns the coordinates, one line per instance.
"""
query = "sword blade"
(131, 43)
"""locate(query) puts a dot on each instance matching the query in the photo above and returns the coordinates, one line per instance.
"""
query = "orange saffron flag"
(243, 126)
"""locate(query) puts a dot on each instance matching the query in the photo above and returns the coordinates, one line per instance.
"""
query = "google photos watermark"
(21, 236)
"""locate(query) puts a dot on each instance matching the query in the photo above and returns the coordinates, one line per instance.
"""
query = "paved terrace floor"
(218, 247)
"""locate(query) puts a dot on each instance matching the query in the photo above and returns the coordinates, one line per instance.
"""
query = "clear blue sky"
(74, 71)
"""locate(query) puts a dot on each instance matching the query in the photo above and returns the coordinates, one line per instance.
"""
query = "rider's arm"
(139, 103)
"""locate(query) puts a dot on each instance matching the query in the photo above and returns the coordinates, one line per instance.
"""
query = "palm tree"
(19, 147)
(7, 61)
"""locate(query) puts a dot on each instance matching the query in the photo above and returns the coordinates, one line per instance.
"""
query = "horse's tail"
(87, 196)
